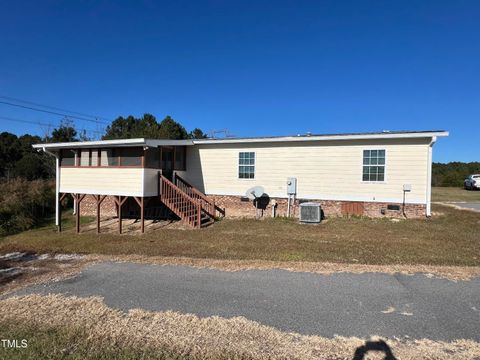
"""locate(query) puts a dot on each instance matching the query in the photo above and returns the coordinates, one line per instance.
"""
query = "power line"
(24, 121)
(43, 124)
(52, 112)
(53, 107)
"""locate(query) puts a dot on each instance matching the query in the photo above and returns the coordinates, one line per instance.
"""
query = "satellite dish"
(255, 192)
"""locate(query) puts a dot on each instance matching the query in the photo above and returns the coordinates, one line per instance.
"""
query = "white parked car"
(472, 182)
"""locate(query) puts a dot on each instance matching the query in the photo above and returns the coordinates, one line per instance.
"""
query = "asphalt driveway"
(337, 304)
(463, 205)
(468, 205)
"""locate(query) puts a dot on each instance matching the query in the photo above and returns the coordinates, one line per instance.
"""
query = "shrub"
(24, 204)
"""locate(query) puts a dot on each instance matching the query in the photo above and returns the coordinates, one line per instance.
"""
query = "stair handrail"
(207, 205)
(210, 207)
(193, 215)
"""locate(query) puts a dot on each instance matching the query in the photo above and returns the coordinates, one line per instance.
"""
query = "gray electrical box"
(291, 185)
(407, 187)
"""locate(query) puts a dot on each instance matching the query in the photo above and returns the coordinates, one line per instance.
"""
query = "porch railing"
(185, 207)
(208, 205)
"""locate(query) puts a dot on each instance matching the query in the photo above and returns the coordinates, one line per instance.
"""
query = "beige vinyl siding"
(330, 170)
(109, 181)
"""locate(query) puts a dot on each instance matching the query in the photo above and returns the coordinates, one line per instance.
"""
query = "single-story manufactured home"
(383, 174)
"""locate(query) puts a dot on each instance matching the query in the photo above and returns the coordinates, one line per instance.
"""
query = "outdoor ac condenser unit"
(310, 212)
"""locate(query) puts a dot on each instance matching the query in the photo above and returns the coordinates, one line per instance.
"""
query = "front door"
(167, 162)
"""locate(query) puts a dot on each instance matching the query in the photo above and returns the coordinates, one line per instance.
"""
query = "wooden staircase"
(208, 205)
(186, 202)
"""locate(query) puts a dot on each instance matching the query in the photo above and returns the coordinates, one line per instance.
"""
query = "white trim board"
(108, 192)
(113, 143)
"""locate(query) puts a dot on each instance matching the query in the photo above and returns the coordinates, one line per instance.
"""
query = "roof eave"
(328, 137)
(89, 144)
(113, 143)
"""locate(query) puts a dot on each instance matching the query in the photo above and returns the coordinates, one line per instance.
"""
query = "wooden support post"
(77, 214)
(119, 214)
(142, 213)
(98, 202)
(140, 201)
(160, 183)
(120, 202)
(59, 215)
(60, 211)
(99, 199)
(78, 199)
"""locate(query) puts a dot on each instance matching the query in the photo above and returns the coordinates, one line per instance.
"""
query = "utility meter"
(291, 185)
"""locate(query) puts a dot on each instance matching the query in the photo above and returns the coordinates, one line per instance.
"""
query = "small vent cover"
(393, 207)
(310, 212)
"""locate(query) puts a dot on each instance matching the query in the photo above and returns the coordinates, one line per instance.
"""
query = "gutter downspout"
(429, 177)
(57, 185)
(77, 163)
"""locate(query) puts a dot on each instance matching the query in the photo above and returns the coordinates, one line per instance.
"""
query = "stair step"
(186, 206)
(207, 223)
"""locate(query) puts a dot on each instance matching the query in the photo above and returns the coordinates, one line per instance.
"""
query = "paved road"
(343, 303)
(468, 205)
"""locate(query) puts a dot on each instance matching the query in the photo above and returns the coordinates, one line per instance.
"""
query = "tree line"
(19, 160)
(453, 173)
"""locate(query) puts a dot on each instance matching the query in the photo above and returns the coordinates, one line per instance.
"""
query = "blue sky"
(254, 67)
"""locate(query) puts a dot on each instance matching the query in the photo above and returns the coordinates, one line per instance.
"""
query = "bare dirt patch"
(109, 225)
(21, 269)
(192, 337)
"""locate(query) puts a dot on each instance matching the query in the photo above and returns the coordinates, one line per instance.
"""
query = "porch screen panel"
(68, 158)
(167, 155)
(131, 156)
(85, 157)
(180, 158)
(94, 157)
(108, 157)
(152, 158)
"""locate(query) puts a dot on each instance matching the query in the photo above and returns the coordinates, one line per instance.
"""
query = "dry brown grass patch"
(193, 337)
(449, 240)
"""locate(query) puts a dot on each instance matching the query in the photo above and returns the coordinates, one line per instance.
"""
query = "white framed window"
(246, 165)
(373, 165)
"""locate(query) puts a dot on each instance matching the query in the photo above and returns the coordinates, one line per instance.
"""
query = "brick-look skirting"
(88, 207)
(236, 207)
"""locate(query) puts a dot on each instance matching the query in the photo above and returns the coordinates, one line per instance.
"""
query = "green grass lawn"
(446, 194)
(68, 343)
(451, 238)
